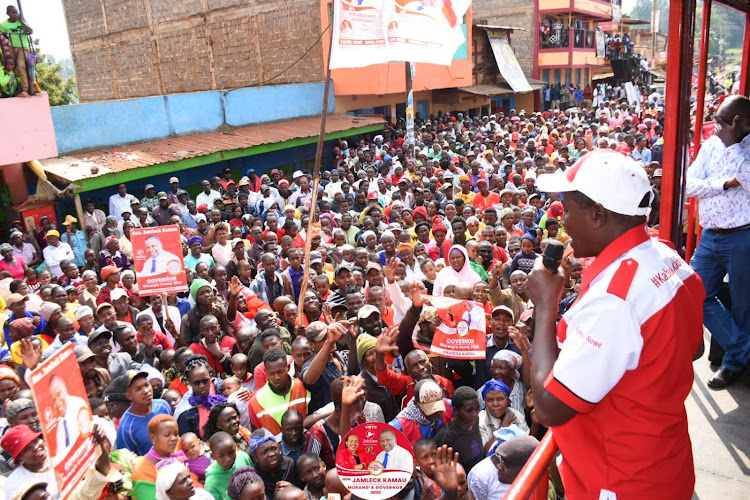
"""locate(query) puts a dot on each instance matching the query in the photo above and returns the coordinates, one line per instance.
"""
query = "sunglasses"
(200, 382)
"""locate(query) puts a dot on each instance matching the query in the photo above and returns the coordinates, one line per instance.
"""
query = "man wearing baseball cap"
(625, 367)
(425, 414)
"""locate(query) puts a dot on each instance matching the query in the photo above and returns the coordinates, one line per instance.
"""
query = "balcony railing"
(567, 37)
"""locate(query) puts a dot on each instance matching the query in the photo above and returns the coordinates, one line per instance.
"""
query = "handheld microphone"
(553, 255)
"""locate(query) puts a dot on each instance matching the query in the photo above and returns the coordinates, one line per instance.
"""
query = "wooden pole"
(410, 102)
(316, 182)
(79, 213)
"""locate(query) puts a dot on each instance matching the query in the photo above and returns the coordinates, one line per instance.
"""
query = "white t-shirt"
(23, 476)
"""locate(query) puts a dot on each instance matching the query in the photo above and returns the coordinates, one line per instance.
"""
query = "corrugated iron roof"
(486, 90)
(117, 159)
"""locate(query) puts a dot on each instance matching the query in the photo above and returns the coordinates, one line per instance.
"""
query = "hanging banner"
(157, 259)
(601, 46)
(462, 331)
(367, 32)
(507, 62)
(65, 417)
(609, 26)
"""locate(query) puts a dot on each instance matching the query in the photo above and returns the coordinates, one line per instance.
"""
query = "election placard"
(65, 417)
(157, 259)
(369, 32)
(462, 330)
(374, 461)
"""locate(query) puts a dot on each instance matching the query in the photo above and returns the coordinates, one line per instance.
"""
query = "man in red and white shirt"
(612, 383)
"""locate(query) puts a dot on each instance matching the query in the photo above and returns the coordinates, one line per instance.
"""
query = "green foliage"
(642, 10)
(61, 92)
(726, 23)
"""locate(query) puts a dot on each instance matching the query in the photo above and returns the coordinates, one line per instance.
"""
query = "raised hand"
(235, 286)
(518, 337)
(446, 469)
(390, 269)
(335, 332)
(30, 356)
(352, 390)
(385, 342)
(417, 299)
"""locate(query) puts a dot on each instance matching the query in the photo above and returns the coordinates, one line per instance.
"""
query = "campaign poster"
(367, 32)
(65, 417)
(506, 61)
(375, 461)
(157, 259)
(462, 330)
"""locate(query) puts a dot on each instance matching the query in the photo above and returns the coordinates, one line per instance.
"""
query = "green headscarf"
(197, 285)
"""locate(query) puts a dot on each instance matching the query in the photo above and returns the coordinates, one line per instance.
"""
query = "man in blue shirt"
(133, 430)
(76, 239)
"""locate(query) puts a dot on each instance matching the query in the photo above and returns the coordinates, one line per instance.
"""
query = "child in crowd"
(231, 389)
(226, 459)
(240, 371)
(197, 454)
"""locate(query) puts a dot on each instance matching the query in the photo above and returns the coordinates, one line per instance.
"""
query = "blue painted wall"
(104, 124)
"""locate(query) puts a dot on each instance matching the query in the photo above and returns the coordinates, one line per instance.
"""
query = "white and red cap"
(609, 178)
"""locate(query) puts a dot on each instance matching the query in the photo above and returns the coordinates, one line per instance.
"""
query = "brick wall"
(515, 14)
(137, 48)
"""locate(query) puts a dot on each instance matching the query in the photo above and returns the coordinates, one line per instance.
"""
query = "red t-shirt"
(626, 367)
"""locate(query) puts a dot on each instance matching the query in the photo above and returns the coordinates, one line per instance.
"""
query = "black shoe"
(724, 377)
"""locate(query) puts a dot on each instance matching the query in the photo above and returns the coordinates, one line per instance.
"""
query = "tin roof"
(83, 167)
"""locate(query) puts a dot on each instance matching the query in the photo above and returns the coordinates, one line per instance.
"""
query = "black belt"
(730, 230)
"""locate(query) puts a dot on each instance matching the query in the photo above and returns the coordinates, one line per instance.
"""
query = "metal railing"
(532, 482)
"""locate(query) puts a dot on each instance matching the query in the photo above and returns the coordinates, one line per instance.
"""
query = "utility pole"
(654, 31)
(410, 139)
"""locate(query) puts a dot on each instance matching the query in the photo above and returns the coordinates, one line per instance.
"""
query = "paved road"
(720, 431)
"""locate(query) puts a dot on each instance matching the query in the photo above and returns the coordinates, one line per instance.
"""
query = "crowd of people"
(242, 388)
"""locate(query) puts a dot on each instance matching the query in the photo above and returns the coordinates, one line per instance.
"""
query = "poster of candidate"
(369, 32)
(374, 461)
(65, 417)
(158, 262)
(462, 330)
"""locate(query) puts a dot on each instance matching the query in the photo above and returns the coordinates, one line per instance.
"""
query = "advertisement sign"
(157, 259)
(375, 461)
(462, 331)
(507, 62)
(65, 417)
(609, 26)
(369, 32)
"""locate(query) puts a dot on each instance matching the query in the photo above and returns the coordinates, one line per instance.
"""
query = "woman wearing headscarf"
(15, 264)
(458, 271)
(271, 206)
(196, 255)
(111, 255)
(88, 296)
(497, 413)
(246, 483)
(173, 482)
(504, 367)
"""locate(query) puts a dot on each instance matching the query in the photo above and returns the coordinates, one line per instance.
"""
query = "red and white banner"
(367, 32)
(462, 331)
(709, 129)
(157, 259)
(65, 417)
